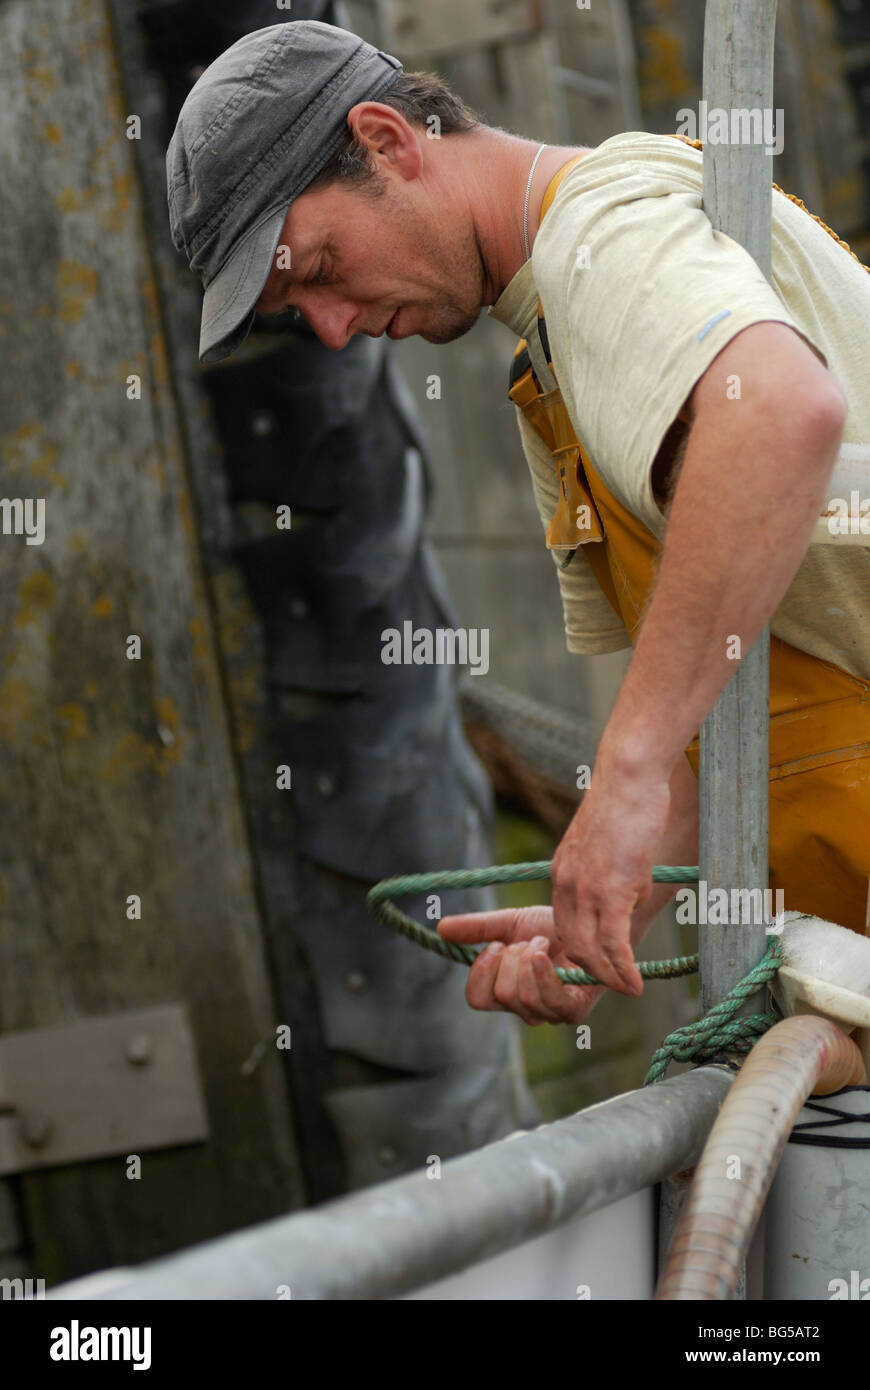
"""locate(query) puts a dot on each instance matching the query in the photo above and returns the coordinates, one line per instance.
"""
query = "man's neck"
(500, 169)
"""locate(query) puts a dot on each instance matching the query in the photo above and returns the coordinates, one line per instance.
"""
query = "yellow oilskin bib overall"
(819, 713)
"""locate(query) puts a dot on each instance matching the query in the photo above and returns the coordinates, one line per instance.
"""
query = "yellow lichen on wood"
(236, 621)
(134, 755)
(42, 81)
(43, 466)
(664, 75)
(36, 594)
(16, 712)
(167, 713)
(14, 446)
(75, 283)
(73, 720)
(159, 359)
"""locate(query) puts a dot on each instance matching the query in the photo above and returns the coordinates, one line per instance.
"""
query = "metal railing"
(401, 1235)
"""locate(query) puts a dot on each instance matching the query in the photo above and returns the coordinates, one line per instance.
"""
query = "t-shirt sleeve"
(591, 626)
(640, 295)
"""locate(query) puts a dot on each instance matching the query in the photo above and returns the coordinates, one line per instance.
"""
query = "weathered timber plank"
(118, 774)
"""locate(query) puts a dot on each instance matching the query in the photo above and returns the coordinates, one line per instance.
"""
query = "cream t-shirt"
(640, 295)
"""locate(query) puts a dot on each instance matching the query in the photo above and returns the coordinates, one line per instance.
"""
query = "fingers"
(571, 1003)
(516, 987)
(614, 936)
(597, 937)
(505, 924)
(521, 979)
(510, 975)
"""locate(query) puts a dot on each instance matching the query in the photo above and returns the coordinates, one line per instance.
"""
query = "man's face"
(374, 264)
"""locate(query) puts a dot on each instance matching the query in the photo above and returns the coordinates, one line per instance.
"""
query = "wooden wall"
(118, 775)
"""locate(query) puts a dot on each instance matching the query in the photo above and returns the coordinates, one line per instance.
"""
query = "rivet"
(325, 785)
(298, 608)
(387, 1155)
(138, 1049)
(262, 422)
(35, 1129)
(355, 981)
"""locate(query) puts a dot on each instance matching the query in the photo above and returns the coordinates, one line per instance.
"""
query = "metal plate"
(125, 1084)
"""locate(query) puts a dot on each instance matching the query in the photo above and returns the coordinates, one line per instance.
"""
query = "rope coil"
(721, 1031)
(379, 902)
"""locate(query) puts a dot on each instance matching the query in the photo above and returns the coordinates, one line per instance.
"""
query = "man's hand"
(517, 971)
(602, 871)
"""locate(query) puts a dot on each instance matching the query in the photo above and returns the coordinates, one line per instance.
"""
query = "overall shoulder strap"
(555, 184)
(532, 358)
(539, 344)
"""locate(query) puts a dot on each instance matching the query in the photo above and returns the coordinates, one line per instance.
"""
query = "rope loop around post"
(721, 1030)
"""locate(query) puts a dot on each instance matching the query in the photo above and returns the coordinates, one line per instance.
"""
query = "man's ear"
(388, 137)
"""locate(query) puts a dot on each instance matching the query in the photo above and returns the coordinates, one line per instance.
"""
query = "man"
(302, 177)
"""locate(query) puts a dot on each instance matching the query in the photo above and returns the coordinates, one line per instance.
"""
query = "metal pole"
(733, 851)
(733, 790)
(407, 1233)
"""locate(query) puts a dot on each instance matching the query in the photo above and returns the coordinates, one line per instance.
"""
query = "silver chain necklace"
(528, 196)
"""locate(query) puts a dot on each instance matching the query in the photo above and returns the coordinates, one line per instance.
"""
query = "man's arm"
(751, 487)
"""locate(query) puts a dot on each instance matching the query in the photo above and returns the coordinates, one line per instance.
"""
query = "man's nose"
(331, 322)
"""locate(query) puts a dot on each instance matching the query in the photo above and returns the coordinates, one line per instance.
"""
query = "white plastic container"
(817, 1243)
(609, 1254)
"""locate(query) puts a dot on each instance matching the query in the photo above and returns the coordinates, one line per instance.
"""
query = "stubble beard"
(452, 322)
(453, 318)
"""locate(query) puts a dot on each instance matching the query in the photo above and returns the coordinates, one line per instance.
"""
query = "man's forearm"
(752, 486)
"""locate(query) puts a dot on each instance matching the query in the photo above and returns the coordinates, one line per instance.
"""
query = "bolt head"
(137, 1049)
(262, 423)
(35, 1129)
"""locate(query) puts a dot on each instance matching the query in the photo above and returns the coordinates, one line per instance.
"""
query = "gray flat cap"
(262, 121)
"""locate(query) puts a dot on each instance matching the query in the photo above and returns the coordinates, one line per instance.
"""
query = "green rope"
(379, 902)
(722, 1030)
